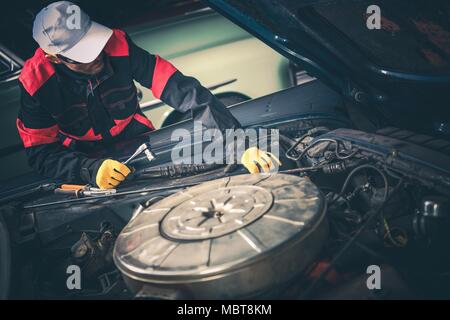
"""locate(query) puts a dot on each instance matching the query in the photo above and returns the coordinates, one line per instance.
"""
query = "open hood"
(401, 71)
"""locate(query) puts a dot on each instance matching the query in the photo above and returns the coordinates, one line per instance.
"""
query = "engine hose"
(184, 170)
(310, 132)
(290, 145)
(174, 171)
(371, 216)
(336, 151)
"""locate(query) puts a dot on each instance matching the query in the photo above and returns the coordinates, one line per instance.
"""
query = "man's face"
(91, 68)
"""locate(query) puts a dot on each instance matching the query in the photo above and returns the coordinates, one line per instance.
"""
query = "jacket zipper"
(90, 89)
(104, 132)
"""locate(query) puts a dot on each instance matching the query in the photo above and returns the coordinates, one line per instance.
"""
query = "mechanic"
(78, 94)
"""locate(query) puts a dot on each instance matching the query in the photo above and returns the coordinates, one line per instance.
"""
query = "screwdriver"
(146, 148)
(81, 191)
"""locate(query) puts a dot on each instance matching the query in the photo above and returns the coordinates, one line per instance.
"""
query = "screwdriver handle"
(72, 192)
(75, 187)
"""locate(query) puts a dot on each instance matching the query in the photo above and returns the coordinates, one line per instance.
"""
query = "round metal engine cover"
(233, 237)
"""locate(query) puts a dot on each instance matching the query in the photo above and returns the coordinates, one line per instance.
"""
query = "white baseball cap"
(63, 28)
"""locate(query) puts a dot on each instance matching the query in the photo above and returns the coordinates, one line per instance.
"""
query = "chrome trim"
(15, 63)
(302, 77)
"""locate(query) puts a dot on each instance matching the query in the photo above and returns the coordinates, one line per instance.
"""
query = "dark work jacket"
(64, 114)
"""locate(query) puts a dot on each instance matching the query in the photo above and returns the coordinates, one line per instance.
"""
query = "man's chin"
(93, 70)
(98, 69)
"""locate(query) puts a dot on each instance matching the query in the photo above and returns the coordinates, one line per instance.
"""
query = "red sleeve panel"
(117, 45)
(163, 71)
(34, 124)
(151, 71)
(39, 133)
(35, 137)
(36, 72)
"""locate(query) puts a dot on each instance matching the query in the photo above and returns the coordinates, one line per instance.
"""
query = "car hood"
(400, 71)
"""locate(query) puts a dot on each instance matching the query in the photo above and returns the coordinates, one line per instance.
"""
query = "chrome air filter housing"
(228, 238)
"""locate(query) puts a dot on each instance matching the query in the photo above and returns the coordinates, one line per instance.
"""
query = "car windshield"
(414, 36)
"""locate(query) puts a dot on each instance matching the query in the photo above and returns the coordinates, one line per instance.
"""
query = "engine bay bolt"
(80, 251)
(218, 214)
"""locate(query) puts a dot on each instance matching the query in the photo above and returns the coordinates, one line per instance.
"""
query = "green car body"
(223, 57)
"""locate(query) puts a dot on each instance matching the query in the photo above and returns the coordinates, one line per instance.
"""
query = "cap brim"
(91, 45)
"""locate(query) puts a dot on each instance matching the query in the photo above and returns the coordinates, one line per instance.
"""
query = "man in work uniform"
(78, 92)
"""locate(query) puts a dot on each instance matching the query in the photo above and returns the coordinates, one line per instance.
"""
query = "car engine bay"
(343, 200)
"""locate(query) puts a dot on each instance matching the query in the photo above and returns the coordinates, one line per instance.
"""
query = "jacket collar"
(106, 73)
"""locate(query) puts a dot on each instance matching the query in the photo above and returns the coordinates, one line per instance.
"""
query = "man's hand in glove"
(111, 173)
(256, 161)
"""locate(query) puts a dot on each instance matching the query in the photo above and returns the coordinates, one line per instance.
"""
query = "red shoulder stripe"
(36, 72)
(117, 45)
(144, 120)
(35, 137)
(120, 126)
(67, 142)
(161, 75)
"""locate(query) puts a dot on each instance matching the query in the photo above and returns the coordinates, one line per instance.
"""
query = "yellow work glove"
(255, 160)
(111, 173)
